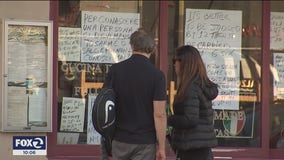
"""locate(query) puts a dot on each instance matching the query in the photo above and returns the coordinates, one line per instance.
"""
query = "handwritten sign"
(67, 138)
(69, 44)
(277, 30)
(217, 35)
(278, 61)
(105, 36)
(93, 137)
(72, 116)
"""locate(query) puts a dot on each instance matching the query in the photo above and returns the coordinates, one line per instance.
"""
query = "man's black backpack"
(103, 116)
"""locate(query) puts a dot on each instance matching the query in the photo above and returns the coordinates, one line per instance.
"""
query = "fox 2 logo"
(29, 142)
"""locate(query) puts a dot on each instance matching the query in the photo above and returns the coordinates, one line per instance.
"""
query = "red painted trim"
(274, 153)
(86, 152)
(265, 83)
(239, 152)
(51, 137)
(264, 151)
(55, 151)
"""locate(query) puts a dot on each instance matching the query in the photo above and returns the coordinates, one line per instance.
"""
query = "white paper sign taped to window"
(69, 44)
(105, 36)
(277, 30)
(73, 114)
(217, 35)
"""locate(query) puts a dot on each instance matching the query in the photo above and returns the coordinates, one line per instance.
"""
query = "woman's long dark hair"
(191, 68)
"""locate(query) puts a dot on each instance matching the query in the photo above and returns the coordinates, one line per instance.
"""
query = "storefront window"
(228, 35)
(277, 79)
(92, 35)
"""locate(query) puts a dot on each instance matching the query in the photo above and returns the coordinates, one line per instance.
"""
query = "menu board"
(277, 30)
(17, 116)
(27, 53)
(105, 36)
(217, 35)
(27, 76)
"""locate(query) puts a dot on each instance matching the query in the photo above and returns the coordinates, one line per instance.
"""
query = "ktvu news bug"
(29, 145)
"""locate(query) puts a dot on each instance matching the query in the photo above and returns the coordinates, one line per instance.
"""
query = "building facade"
(241, 42)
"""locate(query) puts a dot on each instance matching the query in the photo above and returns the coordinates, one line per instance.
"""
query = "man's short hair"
(141, 41)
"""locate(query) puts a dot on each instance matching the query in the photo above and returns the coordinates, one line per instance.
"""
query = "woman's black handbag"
(169, 138)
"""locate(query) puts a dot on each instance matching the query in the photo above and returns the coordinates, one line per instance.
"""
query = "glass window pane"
(277, 80)
(228, 35)
(92, 35)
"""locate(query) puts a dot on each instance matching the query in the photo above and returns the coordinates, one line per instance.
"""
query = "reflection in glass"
(92, 35)
(276, 99)
(230, 44)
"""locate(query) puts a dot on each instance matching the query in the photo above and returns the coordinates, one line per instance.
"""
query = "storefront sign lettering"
(234, 123)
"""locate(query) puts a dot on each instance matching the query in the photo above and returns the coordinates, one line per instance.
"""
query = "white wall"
(24, 10)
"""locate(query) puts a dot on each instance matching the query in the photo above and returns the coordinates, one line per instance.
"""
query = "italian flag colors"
(234, 125)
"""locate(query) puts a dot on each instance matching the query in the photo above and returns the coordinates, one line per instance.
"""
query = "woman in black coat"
(193, 133)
